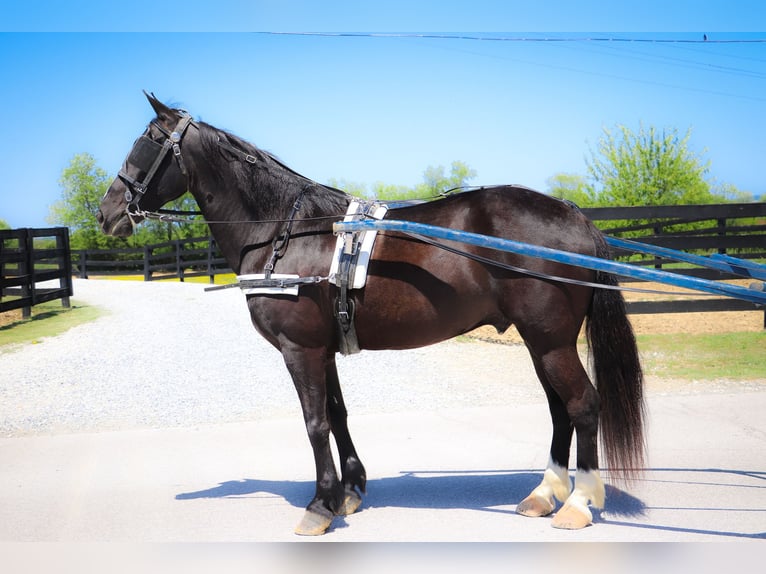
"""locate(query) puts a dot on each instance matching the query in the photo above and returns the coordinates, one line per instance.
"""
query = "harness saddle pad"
(358, 244)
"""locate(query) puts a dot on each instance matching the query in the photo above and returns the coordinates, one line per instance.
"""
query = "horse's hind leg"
(568, 386)
(353, 475)
(555, 481)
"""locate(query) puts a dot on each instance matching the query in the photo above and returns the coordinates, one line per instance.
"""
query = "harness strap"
(249, 158)
(279, 244)
(278, 283)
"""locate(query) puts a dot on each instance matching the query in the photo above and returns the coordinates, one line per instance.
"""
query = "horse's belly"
(405, 320)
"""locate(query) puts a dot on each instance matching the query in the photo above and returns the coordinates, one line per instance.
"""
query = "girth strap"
(344, 307)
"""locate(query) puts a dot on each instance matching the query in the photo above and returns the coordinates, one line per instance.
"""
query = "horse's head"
(153, 173)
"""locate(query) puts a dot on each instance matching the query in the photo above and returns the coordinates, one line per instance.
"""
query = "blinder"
(147, 155)
(143, 154)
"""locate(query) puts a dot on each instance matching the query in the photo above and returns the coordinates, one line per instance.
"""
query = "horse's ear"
(162, 111)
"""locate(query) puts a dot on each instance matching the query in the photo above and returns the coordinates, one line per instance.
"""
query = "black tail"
(618, 376)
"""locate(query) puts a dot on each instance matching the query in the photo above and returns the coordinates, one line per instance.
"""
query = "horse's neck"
(236, 226)
(242, 226)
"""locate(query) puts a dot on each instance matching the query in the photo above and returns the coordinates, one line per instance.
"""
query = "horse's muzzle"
(119, 226)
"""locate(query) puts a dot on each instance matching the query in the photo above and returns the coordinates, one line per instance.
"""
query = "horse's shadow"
(492, 491)
(489, 491)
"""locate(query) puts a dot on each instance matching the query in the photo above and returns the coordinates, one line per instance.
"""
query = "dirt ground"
(663, 323)
(10, 317)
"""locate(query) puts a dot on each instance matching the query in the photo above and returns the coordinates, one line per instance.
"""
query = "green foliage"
(435, 182)
(83, 184)
(727, 192)
(647, 168)
(4, 224)
(571, 187)
(156, 231)
(650, 167)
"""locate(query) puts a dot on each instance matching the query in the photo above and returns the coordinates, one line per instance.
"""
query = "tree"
(155, 231)
(4, 224)
(571, 187)
(647, 168)
(730, 193)
(435, 182)
(83, 184)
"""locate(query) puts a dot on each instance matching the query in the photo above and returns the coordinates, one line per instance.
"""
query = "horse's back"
(419, 294)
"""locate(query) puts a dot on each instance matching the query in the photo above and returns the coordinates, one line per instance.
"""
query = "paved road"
(453, 475)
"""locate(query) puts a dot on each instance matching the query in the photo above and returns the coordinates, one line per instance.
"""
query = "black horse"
(266, 217)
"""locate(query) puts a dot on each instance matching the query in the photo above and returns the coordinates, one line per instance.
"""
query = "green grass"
(740, 356)
(47, 320)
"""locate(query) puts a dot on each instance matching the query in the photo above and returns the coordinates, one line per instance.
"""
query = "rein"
(145, 147)
(179, 216)
(170, 215)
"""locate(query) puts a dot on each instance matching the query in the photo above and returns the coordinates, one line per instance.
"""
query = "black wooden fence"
(29, 257)
(181, 258)
(737, 229)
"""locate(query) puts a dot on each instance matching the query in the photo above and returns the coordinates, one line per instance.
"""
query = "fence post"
(28, 287)
(147, 267)
(721, 232)
(179, 266)
(64, 263)
(82, 257)
(210, 272)
(2, 270)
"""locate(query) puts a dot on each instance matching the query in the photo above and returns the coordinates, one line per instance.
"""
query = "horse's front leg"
(353, 474)
(308, 370)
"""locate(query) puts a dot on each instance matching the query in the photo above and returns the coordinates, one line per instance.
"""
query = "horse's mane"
(268, 185)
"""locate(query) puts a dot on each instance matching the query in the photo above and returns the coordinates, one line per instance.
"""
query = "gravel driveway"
(172, 355)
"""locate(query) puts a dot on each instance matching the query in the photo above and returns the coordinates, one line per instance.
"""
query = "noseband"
(147, 155)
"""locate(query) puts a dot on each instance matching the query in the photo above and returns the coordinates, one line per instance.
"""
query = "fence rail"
(737, 229)
(29, 257)
(181, 258)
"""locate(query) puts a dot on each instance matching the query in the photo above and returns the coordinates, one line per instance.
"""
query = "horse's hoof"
(571, 517)
(313, 524)
(535, 506)
(350, 503)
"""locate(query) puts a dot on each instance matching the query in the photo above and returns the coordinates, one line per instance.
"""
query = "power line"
(622, 39)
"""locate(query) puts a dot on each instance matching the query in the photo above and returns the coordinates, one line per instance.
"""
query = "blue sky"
(367, 109)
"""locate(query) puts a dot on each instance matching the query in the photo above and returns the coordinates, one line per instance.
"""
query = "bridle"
(147, 155)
